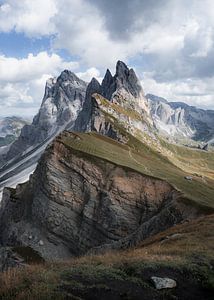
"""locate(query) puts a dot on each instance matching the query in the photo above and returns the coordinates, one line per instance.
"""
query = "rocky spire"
(123, 78)
(108, 85)
(127, 78)
(84, 117)
(68, 76)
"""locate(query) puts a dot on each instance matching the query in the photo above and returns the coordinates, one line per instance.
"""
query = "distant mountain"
(180, 120)
(10, 129)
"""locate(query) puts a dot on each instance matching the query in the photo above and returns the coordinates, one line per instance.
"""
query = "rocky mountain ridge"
(181, 120)
(75, 202)
(62, 101)
(68, 104)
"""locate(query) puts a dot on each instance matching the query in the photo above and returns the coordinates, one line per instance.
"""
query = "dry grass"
(182, 246)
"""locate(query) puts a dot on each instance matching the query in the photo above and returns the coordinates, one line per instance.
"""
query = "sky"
(169, 43)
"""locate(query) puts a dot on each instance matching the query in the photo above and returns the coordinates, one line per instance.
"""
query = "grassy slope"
(184, 253)
(138, 156)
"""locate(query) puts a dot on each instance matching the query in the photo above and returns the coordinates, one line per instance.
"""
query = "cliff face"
(63, 99)
(75, 202)
(123, 90)
(181, 120)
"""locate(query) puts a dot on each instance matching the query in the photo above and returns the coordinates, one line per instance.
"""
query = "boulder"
(163, 283)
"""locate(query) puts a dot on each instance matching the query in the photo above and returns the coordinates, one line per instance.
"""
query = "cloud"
(22, 81)
(34, 18)
(170, 40)
(194, 92)
(16, 70)
(89, 74)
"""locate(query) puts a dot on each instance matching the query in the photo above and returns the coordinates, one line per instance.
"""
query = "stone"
(188, 178)
(41, 243)
(163, 283)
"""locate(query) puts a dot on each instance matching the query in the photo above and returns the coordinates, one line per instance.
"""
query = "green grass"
(141, 158)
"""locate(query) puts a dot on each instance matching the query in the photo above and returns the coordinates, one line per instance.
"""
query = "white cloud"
(16, 70)
(22, 81)
(89, 74)
(174, 39)
(196, 92)
(31, 17)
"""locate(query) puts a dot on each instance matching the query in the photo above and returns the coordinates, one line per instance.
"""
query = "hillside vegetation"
(142, 158)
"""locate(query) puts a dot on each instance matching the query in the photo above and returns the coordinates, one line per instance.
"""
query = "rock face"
(61, 104)
(181, 120)
(10, 129)
(75, 202)
(124, 90)
(63, 100)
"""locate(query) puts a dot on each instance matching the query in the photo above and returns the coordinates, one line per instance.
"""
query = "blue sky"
(169, 44)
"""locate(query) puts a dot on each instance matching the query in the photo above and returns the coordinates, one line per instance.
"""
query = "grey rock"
(163, 283)
(10, 129)
(63, 100)
(205, 147)
(41, 243)
(83, 120)
(123, 88)
(181, 120)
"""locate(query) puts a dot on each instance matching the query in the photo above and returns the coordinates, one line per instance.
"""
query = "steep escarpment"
(76, 201)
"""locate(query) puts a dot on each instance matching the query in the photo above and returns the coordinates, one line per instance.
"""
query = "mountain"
(63, 99)
(70, 104)
(120, 97)
(91, 191)
(10, 129)
(117, 209)
(180, 120)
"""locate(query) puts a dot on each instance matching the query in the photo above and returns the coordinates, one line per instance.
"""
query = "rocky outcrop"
(62, 102)
(75, 202)
(83, 121)
(181, 120)
(63, 99)
(123, 89)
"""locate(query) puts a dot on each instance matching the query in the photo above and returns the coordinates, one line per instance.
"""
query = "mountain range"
(10, 129)
(182, 121)
(108, 171)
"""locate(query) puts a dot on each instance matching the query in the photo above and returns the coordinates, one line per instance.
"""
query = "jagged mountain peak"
(127, 78)
(124, 79)
(94, 82)
(121, 68)
(67, 75)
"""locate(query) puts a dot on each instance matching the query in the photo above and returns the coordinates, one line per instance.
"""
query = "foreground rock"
(75, 202)
(163, 283)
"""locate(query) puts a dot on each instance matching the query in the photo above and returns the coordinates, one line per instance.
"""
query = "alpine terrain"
(108, 194)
